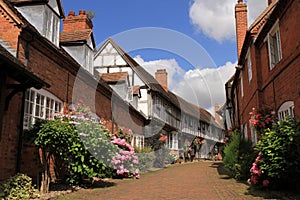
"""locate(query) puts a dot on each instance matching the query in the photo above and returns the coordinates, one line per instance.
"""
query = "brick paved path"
(202, 180)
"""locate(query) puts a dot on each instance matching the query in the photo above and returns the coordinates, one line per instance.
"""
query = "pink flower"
(266, 183)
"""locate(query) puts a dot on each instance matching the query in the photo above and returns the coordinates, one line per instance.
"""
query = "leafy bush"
(280, 147)
(238, 156)
(146, 158)
(19, 187)
(231, 154)
(90, 153)
(84, 147)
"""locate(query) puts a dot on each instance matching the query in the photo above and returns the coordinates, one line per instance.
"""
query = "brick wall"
(48, 63)
(9, 136)
(269, 89)
(9, 30)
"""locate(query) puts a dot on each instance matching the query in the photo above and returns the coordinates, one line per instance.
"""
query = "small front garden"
(80, 150)
(274, 162)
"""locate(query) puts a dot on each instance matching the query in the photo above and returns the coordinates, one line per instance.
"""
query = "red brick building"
(41, 75)
(268, 73)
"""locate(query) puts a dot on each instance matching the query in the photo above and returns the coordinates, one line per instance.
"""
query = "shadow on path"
(221, 170)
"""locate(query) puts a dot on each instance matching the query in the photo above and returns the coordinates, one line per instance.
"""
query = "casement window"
(249, 65)
(88, 63)
(51, 26)
(40, 104)
(274, 46)
(138, 141)
(173, 141)
(286, 109)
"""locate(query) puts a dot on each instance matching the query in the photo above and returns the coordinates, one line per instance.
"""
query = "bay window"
(40, 104)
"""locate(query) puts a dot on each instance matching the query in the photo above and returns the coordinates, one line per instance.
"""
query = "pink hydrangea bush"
(125, 162)
(257, 177)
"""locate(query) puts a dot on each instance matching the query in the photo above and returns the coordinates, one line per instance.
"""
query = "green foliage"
(281, 153)
(90, 153)
(171, 158)
(231, 154)
(246, 157)
(82, 144)
(238, 156)
(146, 158)
(18, 187)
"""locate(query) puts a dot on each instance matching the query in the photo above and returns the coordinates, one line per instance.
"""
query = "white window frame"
(138, 141)
(275, 53)
(286, 109)
(51, 26)
(39, 104)
(242, 85)
(172, 141)
(249, 65)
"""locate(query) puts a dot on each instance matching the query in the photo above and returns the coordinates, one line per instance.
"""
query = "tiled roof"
(114, 77)
(153, 84)
(75, 36)
(278, 9)
(262, 18)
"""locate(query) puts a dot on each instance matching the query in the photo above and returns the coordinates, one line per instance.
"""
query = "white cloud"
(174, 71)
(205, 87)
(202, 87)
(216, 19)
(255, 8)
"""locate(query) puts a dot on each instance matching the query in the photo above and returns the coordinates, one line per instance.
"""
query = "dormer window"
(44, 17)
(274, 46)
(51, 26)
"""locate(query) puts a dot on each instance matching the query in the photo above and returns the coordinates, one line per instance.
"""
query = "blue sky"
(186, 37)
(115, 16)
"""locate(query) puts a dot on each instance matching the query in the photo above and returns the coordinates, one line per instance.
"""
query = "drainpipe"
(20, 136)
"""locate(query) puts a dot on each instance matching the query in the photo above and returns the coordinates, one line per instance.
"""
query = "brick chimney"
(77, 22)
(161, 76)
(241, 24)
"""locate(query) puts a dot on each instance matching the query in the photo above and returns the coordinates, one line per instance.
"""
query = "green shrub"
(238, 157)
(146, 158)
(19, 187)
(84, 146)
(231, 154)
(280, 147)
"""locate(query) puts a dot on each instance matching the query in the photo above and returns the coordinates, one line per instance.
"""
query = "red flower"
(163, 138)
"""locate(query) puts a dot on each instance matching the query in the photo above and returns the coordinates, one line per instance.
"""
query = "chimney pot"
(77, 22)
(81, 12)
(71, 13)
